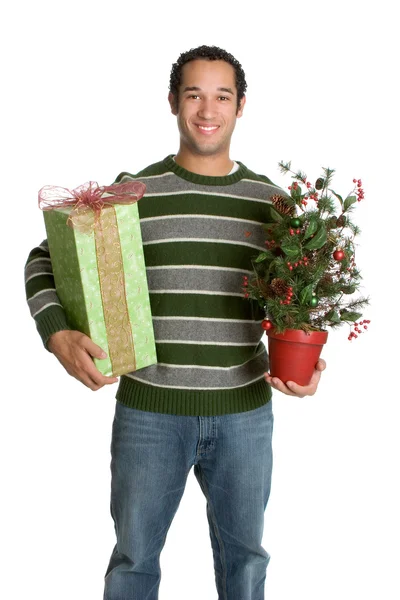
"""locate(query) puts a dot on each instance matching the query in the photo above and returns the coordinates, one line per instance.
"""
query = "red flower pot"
(294, 354)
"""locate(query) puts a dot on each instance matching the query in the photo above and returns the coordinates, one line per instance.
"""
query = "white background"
(85, 97)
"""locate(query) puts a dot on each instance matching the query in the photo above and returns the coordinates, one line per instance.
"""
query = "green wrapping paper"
(100, 278)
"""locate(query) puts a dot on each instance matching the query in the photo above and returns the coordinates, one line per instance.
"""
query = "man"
(207, 402)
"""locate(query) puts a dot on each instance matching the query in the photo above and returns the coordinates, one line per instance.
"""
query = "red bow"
(88, 200)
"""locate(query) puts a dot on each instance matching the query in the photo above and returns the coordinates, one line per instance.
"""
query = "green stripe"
(37, 253)
(213, 356)
(158, 168)
(204, 305)
(199, 253)
(39, 283)
(199, 204)
(49, 321)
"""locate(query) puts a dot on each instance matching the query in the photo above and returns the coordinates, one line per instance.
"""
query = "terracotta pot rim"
(300, 336)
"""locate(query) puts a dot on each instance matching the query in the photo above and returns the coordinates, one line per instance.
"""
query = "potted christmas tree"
(307, 280)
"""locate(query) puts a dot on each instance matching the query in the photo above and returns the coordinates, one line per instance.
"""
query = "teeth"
(206, 128)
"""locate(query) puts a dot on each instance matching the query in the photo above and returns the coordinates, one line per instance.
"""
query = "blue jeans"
(152, 455)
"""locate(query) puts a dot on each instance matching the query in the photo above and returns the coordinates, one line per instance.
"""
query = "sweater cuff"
(52, 319)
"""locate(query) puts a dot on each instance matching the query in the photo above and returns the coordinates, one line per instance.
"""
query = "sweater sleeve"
(43, 302)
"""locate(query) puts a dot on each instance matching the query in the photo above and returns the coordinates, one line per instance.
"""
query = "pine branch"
(300, 176)
(328, 176)
(285, 167)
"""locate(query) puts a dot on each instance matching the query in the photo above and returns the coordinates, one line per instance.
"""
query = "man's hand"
(75, 350)
(293, 389)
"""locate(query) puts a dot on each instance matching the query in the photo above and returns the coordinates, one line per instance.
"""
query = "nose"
(206, 109)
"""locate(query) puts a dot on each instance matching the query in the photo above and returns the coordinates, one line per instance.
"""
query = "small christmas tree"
(307, 276)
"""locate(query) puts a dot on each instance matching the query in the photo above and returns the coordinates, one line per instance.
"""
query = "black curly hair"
(210, 53)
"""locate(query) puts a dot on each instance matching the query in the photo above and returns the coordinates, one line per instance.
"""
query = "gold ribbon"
(112, 286)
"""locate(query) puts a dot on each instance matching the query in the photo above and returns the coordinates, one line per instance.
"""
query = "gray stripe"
(45, 307)
(258, 190)
(194, 227)
(211, 280)
(39, 300)
(205, 331)
(204, 378)
(38, 267)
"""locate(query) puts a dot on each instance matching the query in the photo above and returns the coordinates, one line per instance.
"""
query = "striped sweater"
(199, 236)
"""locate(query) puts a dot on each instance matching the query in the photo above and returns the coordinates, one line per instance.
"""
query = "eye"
(223, 98)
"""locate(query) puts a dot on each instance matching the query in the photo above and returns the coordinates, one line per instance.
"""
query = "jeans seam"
(217, 535)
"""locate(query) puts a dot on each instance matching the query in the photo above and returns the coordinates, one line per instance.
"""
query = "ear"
(241, 107)
(172, 103)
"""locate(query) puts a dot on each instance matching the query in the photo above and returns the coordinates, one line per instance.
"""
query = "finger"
(89, 382)
(305, 390)
(321, 364)
(93, 349)
(291, 388)
(301, 390)
(86, 371)
(93, 384)
(278, 385)
(98, 378)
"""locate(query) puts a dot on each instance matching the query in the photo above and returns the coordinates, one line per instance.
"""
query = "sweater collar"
(204, 179)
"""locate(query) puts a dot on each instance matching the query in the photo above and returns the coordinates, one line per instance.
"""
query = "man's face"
(207, 108)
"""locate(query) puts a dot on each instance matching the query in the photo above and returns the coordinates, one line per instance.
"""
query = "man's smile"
(207, 129)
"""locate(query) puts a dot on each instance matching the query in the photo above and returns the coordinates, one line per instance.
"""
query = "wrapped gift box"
(97, 257)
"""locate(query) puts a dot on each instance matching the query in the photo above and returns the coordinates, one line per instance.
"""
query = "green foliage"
(301, 259)
(349, 201)
(318, 240)
(275, 215)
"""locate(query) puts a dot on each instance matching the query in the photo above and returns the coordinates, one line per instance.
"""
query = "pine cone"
(332, 222)
(327, 279)
(279, 286)
(280, 204)
(341, 221)
(264, 288)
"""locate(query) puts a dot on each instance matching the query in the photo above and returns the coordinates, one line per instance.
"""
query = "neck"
(214, 166)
